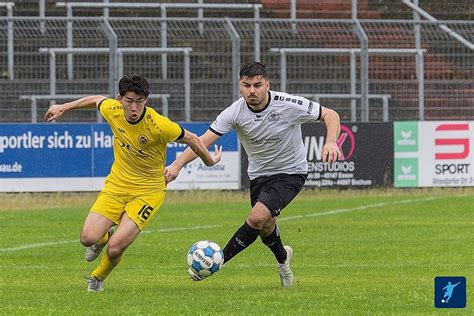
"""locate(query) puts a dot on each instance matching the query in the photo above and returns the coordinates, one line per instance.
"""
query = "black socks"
(273, 241)
(243, 237)
(246, 235)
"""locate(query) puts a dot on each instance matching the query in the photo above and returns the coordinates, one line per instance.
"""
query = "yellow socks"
(104, 239)
(106, 266)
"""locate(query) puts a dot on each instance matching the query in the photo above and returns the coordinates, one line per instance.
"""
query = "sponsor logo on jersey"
(138, 152)
(258, 118)
(273, 116)
(142, 139)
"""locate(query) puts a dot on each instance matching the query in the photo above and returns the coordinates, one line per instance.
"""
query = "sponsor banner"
(406, 138)
(406, 172)
(51, 184)
(55, 150)
(196, 175)
(367, 156)
(442, 156)
(77, 157)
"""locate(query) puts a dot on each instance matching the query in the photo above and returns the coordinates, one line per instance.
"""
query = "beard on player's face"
(254, 90)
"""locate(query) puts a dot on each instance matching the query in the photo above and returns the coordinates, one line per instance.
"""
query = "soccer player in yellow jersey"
(135, 188)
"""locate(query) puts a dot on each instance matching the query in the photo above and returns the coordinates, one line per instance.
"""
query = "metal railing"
(364, 69)
(163, 7)
(353, 97)
(234, 35)
(437, 85)
(442, 26)
(9, 6)
(118, 67)
(34, 104)
(186, 51)
(284, 52)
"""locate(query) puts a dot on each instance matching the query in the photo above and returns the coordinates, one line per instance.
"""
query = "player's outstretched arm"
(57, 110)
(200, 149)
(203, 142)
(330, 151)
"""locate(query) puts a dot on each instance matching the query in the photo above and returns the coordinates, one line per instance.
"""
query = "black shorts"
(276, 191)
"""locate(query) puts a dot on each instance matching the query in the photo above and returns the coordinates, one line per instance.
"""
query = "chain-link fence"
(448, 69)
(448, 66)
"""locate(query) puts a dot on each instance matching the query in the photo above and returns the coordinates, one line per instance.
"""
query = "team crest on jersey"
(273, 116)
(142, 139)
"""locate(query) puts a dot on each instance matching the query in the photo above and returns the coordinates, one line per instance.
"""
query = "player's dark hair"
(252, 69)
(134, 83)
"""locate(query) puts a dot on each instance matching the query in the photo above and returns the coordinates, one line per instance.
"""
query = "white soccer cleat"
(194, 276)
(286, 276)
(94, 285)
(94, 251)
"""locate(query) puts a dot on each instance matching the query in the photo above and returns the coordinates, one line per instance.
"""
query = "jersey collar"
(264, 108)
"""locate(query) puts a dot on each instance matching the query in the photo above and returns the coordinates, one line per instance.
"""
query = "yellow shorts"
(139, 208)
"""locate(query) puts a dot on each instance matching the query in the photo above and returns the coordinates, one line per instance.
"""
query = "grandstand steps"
(435, 68)
(380, 36)
(441, 10)
(367, 9)
(397, 35)
(31, 8)
(322, 9)
(331, 36)
(316, 14)
(404, 67)
(432, 100)
(447, 10)
(437, 104)
(448, 114)
(35, 86)
(211, 72)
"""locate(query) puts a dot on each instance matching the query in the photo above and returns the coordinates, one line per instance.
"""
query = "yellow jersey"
(139, 149)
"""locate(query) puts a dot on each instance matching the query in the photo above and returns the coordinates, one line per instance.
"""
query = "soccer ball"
(205, 258)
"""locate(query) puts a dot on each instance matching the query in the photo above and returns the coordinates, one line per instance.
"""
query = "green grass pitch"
(356, 252)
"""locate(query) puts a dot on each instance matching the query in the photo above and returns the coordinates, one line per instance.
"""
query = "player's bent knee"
(114, 251)
(256, 222)
(88, 240)
(269, 224)
(266, 230)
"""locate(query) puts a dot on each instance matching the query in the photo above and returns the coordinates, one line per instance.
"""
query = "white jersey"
(271, 137)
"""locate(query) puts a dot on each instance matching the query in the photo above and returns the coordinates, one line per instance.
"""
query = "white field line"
(359, 208)
(59, 242)
(38, 245)
(174, 229)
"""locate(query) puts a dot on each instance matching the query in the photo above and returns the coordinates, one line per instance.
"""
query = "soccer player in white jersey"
(268, 124)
